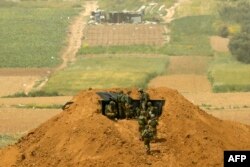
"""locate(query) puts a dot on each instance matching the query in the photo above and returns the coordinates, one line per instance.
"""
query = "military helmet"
(152, 116)
(140, 90)
(112, 102)
(149, 103)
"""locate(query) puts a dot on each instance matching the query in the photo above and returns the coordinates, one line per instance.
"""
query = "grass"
(190, 36)
(7, 139)
(33, 33)
(144, 49)
(197, 7)
(229, 75)
(106, 72)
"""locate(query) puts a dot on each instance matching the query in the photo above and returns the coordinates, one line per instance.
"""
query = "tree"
(239, 46)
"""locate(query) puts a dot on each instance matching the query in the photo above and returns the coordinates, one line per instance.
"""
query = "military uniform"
(142, 121)
(128, 106)
(147, 135)
(153, 123)
(121, 104)
(144, 97)
(151, 110)
(111, 110)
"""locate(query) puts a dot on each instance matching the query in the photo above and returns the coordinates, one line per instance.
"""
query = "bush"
(239, 46)
(223, 31)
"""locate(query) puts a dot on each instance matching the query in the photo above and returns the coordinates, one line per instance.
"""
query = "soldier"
(147, 135)
(151, 110)
(128, 105)
(121, 104)
(111, 110)
(144, 97)
(142, 121)
(153, 123)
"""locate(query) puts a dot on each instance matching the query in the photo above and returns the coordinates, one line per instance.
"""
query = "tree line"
(238, 11)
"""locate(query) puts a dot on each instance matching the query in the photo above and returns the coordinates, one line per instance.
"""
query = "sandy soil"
(183, 83)
(14, 80)
(219, 44)
(237, 115)
(70, 139)
(13, 120)
(5, 102)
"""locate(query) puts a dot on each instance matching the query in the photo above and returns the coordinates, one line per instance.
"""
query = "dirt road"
(76, 34)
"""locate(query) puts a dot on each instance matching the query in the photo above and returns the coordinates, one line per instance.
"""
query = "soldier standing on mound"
(142, 121)
(128, 105)
(121, 104)
(147, 135)
(153, 123)
(144, 97)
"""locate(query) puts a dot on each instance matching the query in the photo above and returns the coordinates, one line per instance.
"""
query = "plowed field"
(123, 34)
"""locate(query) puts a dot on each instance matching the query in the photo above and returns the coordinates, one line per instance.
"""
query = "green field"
(229, 75)
(34, 33)
(106, 72)
(197, 7)
(190, 36)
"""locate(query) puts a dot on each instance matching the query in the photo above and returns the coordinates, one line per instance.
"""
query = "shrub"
(239, 46)
(223, 31)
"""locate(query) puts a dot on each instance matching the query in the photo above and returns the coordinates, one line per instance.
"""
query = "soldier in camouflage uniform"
(144, 97)
(147, 135)
(128, 105)
(151, 110)
(111, 110)
(142, 121)
(121, 104)
(153, 123)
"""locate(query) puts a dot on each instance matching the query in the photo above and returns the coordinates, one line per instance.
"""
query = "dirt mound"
(81, 136)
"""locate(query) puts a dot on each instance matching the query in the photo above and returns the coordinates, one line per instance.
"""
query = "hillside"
(81, 136)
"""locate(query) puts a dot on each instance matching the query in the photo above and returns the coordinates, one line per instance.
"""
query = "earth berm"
(81, 136)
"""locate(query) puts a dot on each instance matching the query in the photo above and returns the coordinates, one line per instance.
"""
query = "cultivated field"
(104, 71)
(127, 34)
(33, 34)
(20, 80)
(228, 75)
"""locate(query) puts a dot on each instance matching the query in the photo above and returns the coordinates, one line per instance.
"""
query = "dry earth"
(188, 76)
(20, 80)
(219, 44)
(70, 139)
(21, 121)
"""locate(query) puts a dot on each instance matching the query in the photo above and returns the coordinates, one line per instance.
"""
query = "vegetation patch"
(106, 72)
(33, 33)
(190, 36)
(197, 7)
(228, 75)
(6, 139)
